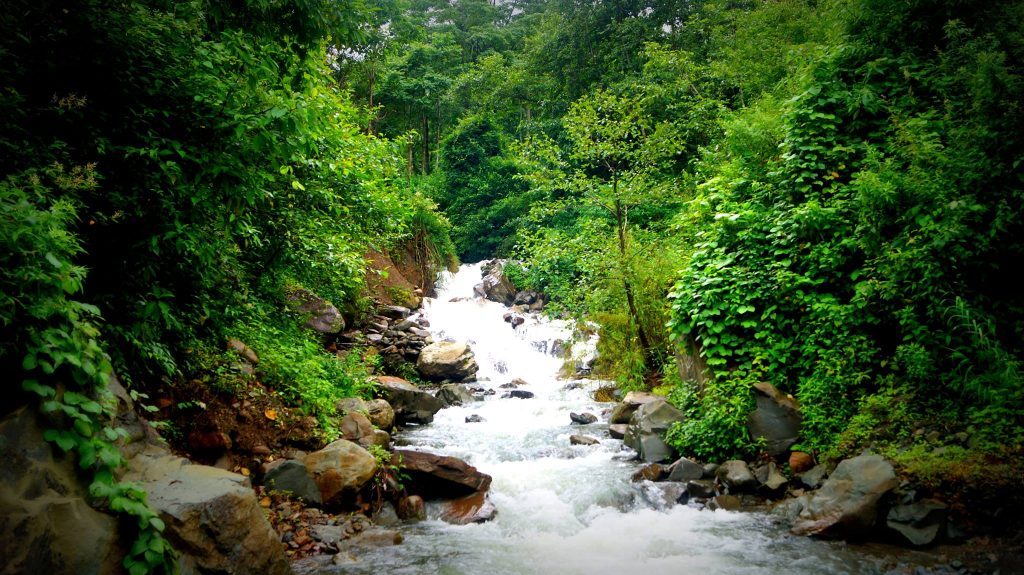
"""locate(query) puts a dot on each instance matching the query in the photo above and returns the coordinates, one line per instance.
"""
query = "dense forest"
(826, 195)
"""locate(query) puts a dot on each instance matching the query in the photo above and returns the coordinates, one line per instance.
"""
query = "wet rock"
(847, 504)
(473, 508)
(920, 523)
(46, 524)
(438, 476)
(316, 313)
(379, 537)
(410, 403)
(777, 419)
(379, 437)
(411, 508)
(700, 488)
(800, 462)
(647, 429)
(210, 514)
(517, 382)
(394, 312)
(770, 478)
(617, 431)
(292, 476)
(684, 470)
(518, 394)
(736, 476)
(326, 533)
(496, 286)
(340, 469)
(558, 348)
(381, 414)
(651, 472)
(447, 360)
(813, 478)
(725, 503)
(622, 412)
(710, 469)
(582, 440)
(453, 394)
(474, 418)
(583, 418)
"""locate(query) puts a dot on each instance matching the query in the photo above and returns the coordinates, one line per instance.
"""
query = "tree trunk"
(620, 223)
(425, 164)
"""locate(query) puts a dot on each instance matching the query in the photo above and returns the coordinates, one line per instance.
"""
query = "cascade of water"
(565, 509)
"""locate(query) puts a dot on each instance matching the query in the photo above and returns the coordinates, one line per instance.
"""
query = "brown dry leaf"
(271, 414)
(265, 502)
(245, 471)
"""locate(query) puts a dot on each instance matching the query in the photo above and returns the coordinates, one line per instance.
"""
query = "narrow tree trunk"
(425, 164)
(408, 149)
(620, 223)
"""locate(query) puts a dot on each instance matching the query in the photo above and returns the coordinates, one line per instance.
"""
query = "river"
(566, 509)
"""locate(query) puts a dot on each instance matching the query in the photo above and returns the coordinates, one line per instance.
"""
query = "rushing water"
(566, 509)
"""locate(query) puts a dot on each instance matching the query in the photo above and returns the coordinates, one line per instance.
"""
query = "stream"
(566, 509)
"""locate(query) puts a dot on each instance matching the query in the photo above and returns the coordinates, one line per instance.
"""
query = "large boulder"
(847, 504)
(496, 286)
(434, 476)
(736, 476)
(684, 470)
(410, 403)
(776, 420)
(211, 515)
(454, 394)
(625, 409)
(339, 470)
(647, 428)
(446, 360)
(315, 312)
(293, 477)
(381, 414)
(46, 523)
(920, 523)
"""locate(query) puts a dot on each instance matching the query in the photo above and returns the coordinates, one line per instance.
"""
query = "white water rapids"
(566, 509)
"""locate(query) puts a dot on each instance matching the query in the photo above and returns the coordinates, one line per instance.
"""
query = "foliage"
(57, 342)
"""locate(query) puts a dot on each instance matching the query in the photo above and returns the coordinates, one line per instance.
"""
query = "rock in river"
(847, 504)
(647, 428)
(445, 360)
(410, 403)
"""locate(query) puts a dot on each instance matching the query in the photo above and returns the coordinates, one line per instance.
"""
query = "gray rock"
(710, 469)
(847, 504)
(777, 419)
(210, 514)
(496, 286)
(474, 418)
(582, 440)
(736, 476)
(583, 418)
(453, 394)
(447, 360)
(813, 478)
(624, 410)
(700, 488)
(243, 351)
(920, 523)
(410, 403)
(421, 333)
(394, 312)
(518, 394)
(684, 470)
(46, 524)
(355, 426)
(770, 478)
(651, 472)
(316, 313)
(617, 431)
(647, 428)
(340, 470)
(293, 477)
